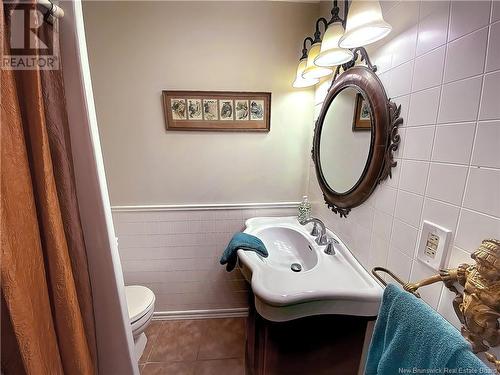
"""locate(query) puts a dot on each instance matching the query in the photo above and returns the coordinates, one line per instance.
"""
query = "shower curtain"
(47, 319)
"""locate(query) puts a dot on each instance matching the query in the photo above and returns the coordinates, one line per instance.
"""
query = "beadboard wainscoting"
(175, 250)
(441, 64)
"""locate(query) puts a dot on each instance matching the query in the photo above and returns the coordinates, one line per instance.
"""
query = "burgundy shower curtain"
(46, 303)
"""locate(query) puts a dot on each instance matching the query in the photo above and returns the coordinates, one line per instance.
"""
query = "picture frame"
(362, 115)
(217, 111)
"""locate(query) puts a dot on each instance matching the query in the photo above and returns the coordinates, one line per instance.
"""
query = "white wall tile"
(413, 176)
(418, 143)
(440, 213)
(483, 191)
(402, 17)
(446, 182)
(458, 256)
(379, 249)
(465, 56)
(404, 102)
(453, 143)
(404, 46)
(495, 15)
(460, 100)
(386, 199)
(382, 57)
(428, 70)
(385, 78)
(424, 107)
(382, 224)
(396, 172)
(399, 263)
(409, 207)
(493, 58)
(473, 227)
(430, 293)
(404, 237)
(433, 27)
(401, 80)
(490, 102)
(467, 16)
(401, 149)
(487, 145)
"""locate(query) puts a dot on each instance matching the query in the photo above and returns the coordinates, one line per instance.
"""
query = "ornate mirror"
(355, 136)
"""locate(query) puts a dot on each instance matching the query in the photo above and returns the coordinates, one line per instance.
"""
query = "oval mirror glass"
(345, 140)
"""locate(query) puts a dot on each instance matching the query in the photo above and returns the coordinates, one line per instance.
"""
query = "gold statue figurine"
(478, 306)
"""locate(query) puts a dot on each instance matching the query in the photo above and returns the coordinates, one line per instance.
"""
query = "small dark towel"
(245, 242)
(410, 335)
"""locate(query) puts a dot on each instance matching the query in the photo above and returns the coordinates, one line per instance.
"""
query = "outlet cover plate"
(434, 245)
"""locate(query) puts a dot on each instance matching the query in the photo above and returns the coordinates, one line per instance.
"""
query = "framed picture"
(217, 110)
(362, 120)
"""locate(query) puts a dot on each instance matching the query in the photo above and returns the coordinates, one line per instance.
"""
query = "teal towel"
(242, 241)
(410, 335)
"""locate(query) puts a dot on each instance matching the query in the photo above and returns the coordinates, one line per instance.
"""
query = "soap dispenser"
(304, 210)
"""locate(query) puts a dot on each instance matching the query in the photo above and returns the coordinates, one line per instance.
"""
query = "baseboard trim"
(202, 207)
(201, 314)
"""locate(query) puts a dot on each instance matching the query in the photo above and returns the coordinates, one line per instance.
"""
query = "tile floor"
(195, 347)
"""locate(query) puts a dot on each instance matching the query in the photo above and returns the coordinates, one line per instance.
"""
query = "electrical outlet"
(434, 244)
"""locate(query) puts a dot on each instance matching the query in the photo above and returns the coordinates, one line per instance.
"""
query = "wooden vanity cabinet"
(325, 344)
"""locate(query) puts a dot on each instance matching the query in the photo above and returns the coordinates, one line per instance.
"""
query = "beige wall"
(137, 50)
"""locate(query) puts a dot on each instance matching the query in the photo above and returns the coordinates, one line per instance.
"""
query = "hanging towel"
(242, 241)
(410, 337)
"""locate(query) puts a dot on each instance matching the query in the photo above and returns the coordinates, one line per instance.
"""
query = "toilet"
(140, 303)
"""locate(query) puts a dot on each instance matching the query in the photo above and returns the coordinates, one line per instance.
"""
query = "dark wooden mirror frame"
(384, 133)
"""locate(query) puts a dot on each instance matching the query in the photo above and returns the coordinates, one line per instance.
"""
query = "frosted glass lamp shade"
(301, 81)
(365, 24)
(313, 71)
(331, 54)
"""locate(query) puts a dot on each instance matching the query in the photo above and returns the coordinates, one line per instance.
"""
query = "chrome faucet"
(321, 236)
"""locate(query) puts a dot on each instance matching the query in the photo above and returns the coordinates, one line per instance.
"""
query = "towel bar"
(394, 276)
(478, 306)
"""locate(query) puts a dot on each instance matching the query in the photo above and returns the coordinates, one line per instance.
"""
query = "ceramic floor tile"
(173, 368)
(152, 334)
(177, 341)
(220, 366)
(223, 338)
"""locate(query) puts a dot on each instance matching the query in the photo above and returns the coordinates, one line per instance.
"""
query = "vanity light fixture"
(312, 70)
(364, 25)
(331, 54)
(299, 80)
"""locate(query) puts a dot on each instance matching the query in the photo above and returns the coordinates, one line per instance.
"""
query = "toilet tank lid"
(139, 301)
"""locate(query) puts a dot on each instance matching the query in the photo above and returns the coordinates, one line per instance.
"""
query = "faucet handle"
(315, 230)
(323, 239)
(330, 248)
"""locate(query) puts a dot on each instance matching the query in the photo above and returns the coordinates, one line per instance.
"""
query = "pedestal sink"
(298, 279)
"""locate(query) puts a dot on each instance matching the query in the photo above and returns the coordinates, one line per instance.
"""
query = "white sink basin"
(326, 284)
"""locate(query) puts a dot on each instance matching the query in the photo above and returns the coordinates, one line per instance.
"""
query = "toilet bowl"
(140, 303)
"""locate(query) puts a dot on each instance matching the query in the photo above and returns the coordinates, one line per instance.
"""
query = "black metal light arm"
(335, 14)
(346, 10)
(317, 33)
(304, 47)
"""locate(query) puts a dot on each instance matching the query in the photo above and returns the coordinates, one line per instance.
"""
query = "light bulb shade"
(365, 24)
(312, 71)
(301, 81)
(331, 54)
